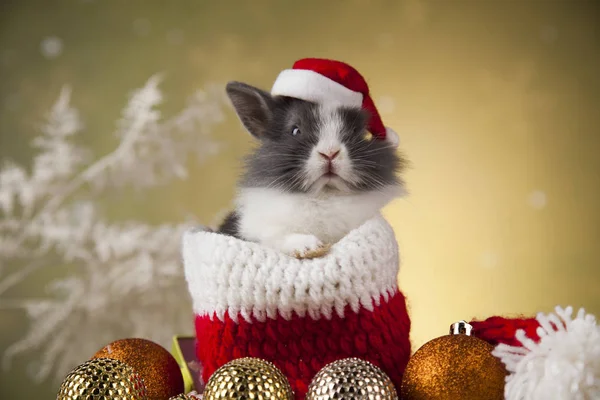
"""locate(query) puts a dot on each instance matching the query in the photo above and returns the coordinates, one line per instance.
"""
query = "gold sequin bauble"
(248, 378)
(451, 367)
(182, 397)
(351, 378)
(102, 378)
(159, 369)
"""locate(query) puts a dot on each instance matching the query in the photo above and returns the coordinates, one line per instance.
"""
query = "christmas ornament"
(193, 395)
(351, 378)
(161, 373)
(561, 363)
(249, 300)
(455, 366)
(248, 378)
(332, 82)
(102, 378)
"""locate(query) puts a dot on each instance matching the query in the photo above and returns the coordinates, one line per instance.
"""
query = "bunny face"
(311, 148)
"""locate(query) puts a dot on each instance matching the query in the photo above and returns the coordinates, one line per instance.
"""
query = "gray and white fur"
(315, 175)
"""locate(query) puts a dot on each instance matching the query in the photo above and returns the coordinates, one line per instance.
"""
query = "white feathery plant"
(124, 277)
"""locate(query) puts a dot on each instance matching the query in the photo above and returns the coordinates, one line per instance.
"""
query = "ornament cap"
(461, 328)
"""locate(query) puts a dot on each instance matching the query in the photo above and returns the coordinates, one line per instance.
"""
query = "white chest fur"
(268, 215)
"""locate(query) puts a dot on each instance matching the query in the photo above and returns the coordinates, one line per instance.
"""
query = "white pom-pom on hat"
(563, 365)
(391, 137)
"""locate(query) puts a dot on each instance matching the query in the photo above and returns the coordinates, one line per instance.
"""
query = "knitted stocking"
(252, 301)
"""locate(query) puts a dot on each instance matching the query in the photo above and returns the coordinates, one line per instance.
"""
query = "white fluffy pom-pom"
(563, 365)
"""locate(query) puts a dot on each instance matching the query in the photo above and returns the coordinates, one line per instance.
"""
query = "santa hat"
(252, 301)
(551, 356)
(332, 82)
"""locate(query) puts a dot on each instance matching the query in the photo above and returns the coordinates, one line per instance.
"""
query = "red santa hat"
(332, 82)
(252, 301)
(551, 356)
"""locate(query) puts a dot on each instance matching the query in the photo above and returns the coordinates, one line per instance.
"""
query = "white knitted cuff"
(225, 274)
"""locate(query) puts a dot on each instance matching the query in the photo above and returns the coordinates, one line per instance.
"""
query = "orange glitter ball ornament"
(455, 366)
(157, 367)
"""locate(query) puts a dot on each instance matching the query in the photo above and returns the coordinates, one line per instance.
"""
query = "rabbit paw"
(304, 246)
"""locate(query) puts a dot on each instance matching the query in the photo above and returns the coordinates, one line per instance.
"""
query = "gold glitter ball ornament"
(159, 369)
(455, 366)
(351, 378)
(182, 397)
(102, 378)
(248, 378)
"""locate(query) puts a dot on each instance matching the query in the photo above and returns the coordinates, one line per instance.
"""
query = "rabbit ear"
(253, 106)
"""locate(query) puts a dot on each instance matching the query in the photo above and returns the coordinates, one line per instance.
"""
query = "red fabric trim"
(300, 347)
(495, 330)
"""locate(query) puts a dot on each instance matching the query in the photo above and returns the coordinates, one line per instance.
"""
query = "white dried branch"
(126, 278)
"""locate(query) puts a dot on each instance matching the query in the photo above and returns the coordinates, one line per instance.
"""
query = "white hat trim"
(311, 86)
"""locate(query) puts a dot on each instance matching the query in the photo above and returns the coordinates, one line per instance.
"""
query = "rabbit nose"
(331, 155)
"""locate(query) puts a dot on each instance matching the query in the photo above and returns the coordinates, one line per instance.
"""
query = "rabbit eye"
(295, 131)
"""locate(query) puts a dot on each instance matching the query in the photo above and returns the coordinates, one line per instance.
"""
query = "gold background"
(496, 102)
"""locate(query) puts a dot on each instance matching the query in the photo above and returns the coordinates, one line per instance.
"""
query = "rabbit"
(315, 176)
